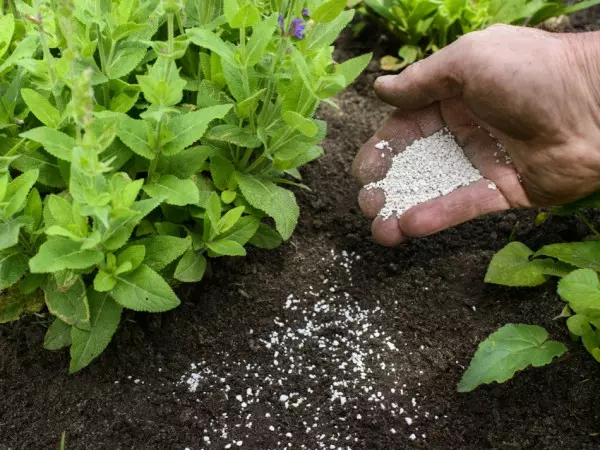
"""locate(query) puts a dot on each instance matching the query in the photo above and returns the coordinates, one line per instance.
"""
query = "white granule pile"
(427, 169)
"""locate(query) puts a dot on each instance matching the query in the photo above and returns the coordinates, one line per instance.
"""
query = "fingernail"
(384, 81)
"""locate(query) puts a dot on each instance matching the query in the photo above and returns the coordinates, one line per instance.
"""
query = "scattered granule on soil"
(328, 363)
(427, 169)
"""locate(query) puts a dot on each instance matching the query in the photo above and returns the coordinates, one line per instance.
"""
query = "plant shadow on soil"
(431, 289)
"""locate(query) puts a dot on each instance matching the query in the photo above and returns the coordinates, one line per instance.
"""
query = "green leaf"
(324, 34)
(191, 267)
(47, 165)
(33, 208)
(120, 230)
(135, 135)
(329, 10)
(163, 250)
(352, 68)
(134, 255)
(585, 255)
(277, 202)
(58, 254)
(144, 290)
(261, 36)
(41, 108)
(69, 303)
(581, 289)
(7, 29)
(512, 266)
(105, 316)
(185, 164)
(222, 171)
(188, 128)
(266, 237)
(54, 142)
(176, 192)
(230, 219)
(9, 233)
(206, 39)
(508, 350)
(17, 192)
(126, 58)
(213, 210)
(579, 325)
(235, 135)
(226, 248)
(243, 230)
(13, 265)
(104, 281)
(58, 335)
(305, 126)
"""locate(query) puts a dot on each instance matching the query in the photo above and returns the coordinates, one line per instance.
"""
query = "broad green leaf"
(266, 237)
(226, 248)
(512, 266)
(585, 255)
(33, 208)
(230, 219)
(134, 255)
(261, 36)
(105, 316)
(188, 128)
(68, 303)
(352, 68)
(60, 253)
(9, 233)
(305, 126)
(185, 164)
(581, 289)
(329, 10)
(13, 265)
(7, 28)
(163, 250)
(579, 325)
(324, 34)
(41, 108)
(213, 210)
(17, 192)
(58, 335)
(207, 39)
(120, 229)
(228, 197)
(47, 165)
(175, 191)
(246, 16)
(54, 142)
(191, 268)
(144, 290)
(243, 230)
(126, 58)
(277, 202)
(135, 135)
(235, 135)
(104, 281)
(222, 171)
(508, 350)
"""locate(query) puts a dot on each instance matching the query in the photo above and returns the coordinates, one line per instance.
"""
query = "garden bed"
(330, 341)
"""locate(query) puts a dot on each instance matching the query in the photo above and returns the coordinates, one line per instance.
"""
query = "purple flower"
(305, 14)
(297, 28)
(281, 24)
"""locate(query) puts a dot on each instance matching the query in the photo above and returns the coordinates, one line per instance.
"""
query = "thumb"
(438, 77)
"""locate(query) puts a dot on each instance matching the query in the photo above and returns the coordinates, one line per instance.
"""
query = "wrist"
(585, 51)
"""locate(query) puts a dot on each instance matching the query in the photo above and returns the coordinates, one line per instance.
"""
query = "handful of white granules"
(427, 169)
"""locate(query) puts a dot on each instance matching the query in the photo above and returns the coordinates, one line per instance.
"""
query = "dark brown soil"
(431, 289)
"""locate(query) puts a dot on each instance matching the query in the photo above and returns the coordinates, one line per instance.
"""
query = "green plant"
(425, 26)
(141, 137)
(576, 264)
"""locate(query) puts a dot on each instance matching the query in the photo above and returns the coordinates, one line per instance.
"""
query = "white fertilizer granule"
(427, 169)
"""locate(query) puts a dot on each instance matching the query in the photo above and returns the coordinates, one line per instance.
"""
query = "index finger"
(436, 78)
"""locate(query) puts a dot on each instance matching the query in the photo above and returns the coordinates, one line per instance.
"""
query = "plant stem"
(588, 224)
(103, 59)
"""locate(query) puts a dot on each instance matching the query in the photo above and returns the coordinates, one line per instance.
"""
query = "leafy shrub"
(141, 137)
(517, 346)
(425, 26)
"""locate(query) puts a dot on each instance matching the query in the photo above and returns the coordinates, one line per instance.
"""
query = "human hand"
(537, 93)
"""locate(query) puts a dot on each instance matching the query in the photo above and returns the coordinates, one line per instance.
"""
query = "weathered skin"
(538, 94)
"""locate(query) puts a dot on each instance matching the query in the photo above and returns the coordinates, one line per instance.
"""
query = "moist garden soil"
(426, 301)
